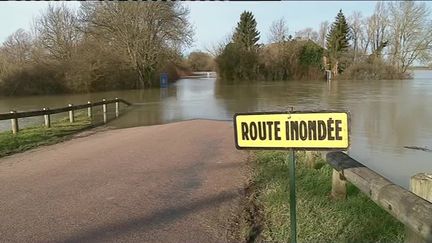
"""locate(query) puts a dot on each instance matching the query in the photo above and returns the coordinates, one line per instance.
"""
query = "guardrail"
(46, 112)
(411, 208)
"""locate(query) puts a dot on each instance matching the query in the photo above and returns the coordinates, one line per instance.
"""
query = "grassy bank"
(32, 137)
(319, 218)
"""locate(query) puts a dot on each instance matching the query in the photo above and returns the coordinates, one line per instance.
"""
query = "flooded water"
(385, 115)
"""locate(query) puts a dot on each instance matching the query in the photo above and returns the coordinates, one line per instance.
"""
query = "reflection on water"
(386, 115)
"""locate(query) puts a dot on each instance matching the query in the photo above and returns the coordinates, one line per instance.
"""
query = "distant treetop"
(246, 33)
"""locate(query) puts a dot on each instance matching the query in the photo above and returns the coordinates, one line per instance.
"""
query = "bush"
(278, 61)
(237, 63)
(275, 62)
(372, 69)
(200, 61)
(173, 70)
(92, 67)
(33, 80)
(296, 60)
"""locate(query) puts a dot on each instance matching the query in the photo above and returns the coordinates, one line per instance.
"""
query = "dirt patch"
(246, 225)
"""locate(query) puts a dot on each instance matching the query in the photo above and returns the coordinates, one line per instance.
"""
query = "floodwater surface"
(386, 115)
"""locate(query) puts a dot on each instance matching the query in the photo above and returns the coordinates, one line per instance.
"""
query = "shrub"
(372, 69)
(237, 63)
(200, 61)
(33, 80)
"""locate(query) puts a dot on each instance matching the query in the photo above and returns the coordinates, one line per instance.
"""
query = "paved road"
(179, 182)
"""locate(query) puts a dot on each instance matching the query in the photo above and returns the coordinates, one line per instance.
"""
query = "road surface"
(179, 182)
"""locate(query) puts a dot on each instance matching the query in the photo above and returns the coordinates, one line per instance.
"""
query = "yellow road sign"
(296, 130)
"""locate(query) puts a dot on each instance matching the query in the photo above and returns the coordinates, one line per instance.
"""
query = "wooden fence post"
(89, 110)
(47, 118)
(322, 154)
(338, 185)
(104, 109)
(421, 185)
(310, 159)
(14, 124)
(71, 115)
(117, 107)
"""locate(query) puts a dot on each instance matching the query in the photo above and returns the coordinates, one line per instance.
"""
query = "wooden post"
(104, 109)
(328, 75)
(14, 124)
(89, 110)
(338, 185)
(405, 206)
(117, 107)
(47, 118)
(71, 115)
(421, 185)
(322, 154)
(310, 159)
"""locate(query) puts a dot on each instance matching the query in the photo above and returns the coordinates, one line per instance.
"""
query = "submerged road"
(180, 182)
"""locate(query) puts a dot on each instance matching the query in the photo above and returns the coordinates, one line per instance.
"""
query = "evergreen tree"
(338, 42)
(246, 34)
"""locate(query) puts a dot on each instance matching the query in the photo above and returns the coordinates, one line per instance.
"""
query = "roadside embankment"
(32, 137)
(319, 217)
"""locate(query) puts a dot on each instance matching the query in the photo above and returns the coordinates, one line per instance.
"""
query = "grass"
(32, 137)
(319, 218)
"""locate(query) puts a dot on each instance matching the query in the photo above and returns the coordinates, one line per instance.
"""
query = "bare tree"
(410, 32)
(147, 33)
(322, 33)
(217, 48)
(376, 28)
(17, 47)
(364, 40)
(57, 31)
(200, 61)
(308, 34)
(356, 27)
(278, 31)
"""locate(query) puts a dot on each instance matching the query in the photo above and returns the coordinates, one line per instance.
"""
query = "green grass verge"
(319, 218)
(32, 137)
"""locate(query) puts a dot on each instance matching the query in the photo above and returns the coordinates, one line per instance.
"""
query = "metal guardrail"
(13, 115)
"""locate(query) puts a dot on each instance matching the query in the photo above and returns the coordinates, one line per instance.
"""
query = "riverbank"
(32, 137)
(319, 218)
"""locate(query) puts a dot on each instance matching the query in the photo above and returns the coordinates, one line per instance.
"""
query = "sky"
(213, 20)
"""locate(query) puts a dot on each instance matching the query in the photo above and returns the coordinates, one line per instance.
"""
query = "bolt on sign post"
(306, 130)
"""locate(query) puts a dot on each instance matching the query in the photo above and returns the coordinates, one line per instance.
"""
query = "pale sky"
(213, 20)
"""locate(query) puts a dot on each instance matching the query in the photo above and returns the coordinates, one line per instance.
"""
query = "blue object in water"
(164, 80)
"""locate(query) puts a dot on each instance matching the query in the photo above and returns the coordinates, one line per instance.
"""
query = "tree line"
(126, 45)
(382, 46)
(101, 46)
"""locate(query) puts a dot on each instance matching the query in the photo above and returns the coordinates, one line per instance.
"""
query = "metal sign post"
(293, 202)
(313, 130)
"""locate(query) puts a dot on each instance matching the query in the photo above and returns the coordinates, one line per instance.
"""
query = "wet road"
(179, 182)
